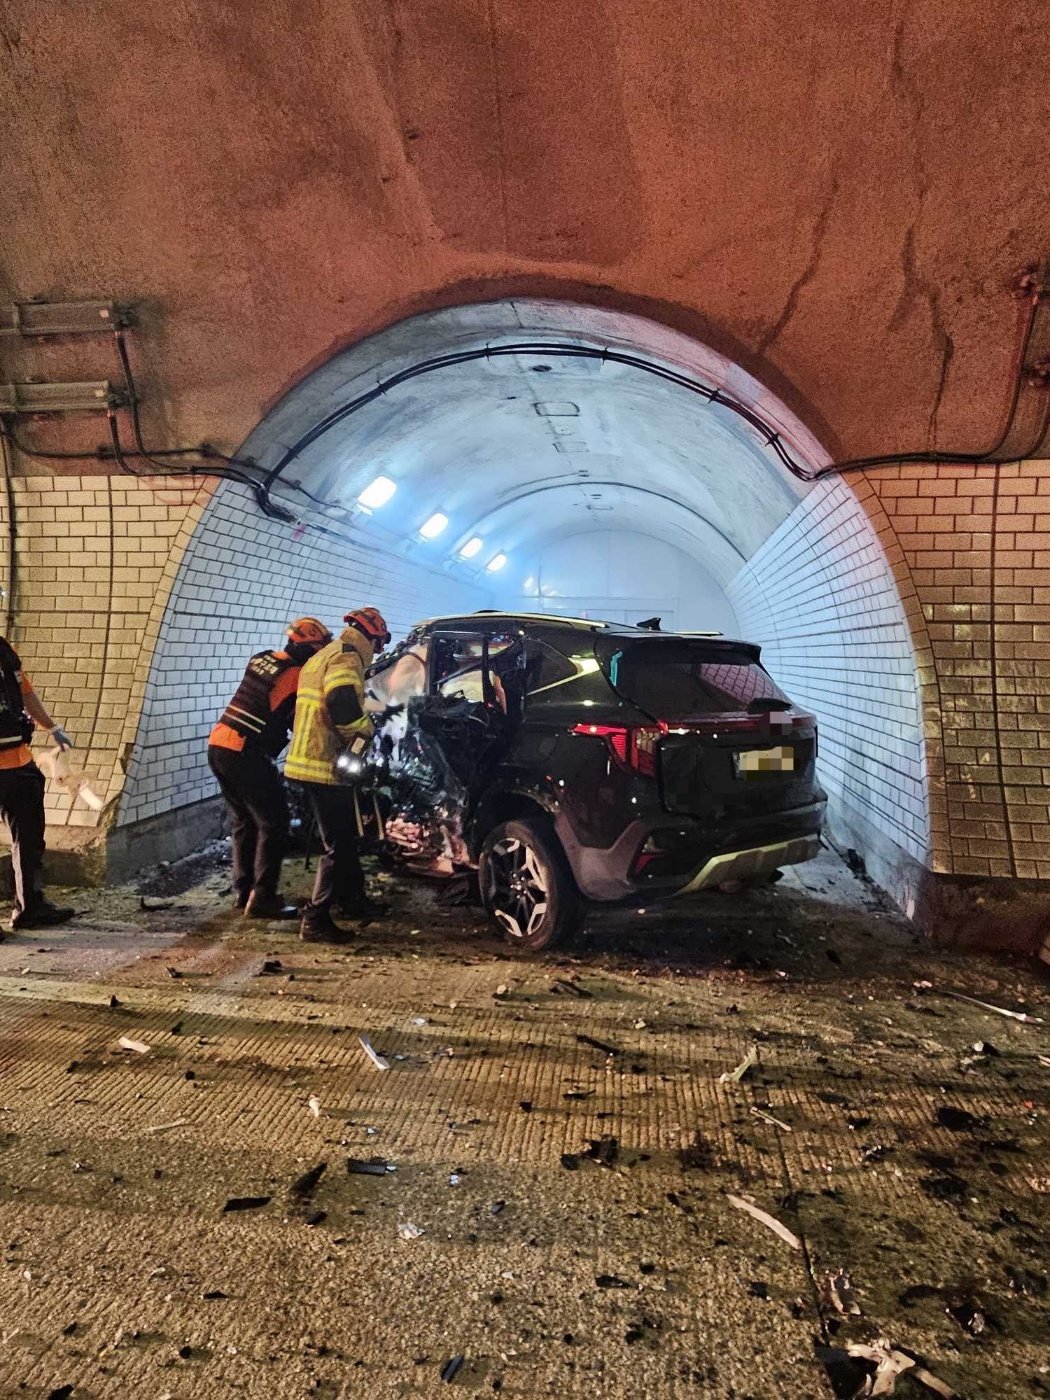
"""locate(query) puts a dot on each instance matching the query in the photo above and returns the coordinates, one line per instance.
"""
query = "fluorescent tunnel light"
(496, 563)
(377, 493)
(471, 548)
(430, 529)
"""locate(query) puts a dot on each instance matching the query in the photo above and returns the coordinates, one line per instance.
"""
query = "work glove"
(59, 737)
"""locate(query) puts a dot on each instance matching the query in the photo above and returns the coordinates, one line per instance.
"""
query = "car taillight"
(632, 745)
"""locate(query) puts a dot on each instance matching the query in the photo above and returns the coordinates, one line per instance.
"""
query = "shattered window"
(458, 659)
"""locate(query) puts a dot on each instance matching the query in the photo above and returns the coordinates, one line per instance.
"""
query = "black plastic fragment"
(561, 984)
(246, 1203)
(450, 1368)
(570, 1161)
(698, 1156)
(612, 1281)
(603, 1150)
(598, 1045)
(214, 1293)
(374, 1166)
(948, 1187)
(957, 1120)
(304, 1186)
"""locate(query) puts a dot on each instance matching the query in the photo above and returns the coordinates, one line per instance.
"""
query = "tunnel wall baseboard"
(971, 913)
(166, 837)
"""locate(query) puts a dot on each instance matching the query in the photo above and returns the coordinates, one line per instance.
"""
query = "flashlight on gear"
(352, 761)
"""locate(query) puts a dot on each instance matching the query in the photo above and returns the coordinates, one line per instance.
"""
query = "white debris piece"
(1024, 1016)
(126, 1043)
(408, 1231)
(768, 1118)
(166, 1127)
(766, 1219)
(372, 1053)
(313, 1103)
(888, 1362)
(734, 1076)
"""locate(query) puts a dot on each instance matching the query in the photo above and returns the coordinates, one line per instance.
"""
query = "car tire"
(527, 886)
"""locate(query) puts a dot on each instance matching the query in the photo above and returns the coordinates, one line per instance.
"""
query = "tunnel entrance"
(544, 456)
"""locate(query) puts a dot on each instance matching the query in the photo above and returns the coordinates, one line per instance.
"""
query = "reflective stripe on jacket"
(329, 709)
(260, 714)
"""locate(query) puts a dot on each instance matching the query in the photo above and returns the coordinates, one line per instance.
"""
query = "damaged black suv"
(572, 761)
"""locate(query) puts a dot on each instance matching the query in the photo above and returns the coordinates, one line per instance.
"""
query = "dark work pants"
(340, 879)
(258, 812)
(22, 809)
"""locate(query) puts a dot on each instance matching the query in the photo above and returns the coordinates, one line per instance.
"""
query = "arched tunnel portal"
(598, 479)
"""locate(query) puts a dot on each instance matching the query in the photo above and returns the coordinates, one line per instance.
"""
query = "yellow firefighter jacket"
(329, 709)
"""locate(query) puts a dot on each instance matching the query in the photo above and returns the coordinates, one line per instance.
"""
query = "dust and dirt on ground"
(744, 1146)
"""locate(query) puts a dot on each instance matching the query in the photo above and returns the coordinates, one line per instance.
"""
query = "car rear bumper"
(658, 859)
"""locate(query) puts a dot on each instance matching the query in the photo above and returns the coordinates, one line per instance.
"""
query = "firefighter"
(22, 791)
(332, 729)
(242, 747)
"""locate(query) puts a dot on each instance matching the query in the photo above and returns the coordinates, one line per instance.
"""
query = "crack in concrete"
(915, 286)
(806, 276)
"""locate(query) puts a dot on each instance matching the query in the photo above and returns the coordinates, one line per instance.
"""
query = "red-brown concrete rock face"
(836, 197)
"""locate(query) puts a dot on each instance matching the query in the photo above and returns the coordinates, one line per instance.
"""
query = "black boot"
(318, 926)
(263, 905)
(42, 914)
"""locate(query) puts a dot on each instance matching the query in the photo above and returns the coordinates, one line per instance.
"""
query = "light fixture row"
(380, 491)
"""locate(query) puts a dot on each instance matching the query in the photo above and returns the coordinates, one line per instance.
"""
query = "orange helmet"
(371, 624)
(310, 631)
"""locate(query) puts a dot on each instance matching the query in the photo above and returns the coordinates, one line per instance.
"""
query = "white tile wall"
(242, 579)
(821, 600)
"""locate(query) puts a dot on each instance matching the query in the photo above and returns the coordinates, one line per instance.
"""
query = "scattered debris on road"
(139, 1047)
(246, 1203)
(734, 1076)
(408, 1230)
(837, 1294)
(372, 1053)
(303, 1187)
(601, 1045)
(451, 1367)
(766, 1219)
(1025, 1016)
(370, 1166)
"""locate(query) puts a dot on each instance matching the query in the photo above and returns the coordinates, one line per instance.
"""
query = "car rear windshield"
(672, 679)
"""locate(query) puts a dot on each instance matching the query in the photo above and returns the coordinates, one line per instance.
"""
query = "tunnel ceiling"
(525, 448)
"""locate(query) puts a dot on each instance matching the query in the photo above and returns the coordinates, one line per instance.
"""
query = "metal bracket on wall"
(92, 396)
(40, 318)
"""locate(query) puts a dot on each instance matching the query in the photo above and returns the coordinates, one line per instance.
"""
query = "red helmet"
(371, 624)
(310, 631)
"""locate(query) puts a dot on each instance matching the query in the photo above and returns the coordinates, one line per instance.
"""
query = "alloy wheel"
(517, 890)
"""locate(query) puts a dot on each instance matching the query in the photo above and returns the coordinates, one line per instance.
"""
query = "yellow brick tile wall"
(977, 543)
(94, 570)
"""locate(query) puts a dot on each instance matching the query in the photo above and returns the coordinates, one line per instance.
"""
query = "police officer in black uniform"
(22, 791)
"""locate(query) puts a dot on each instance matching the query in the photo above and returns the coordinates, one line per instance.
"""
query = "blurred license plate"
(764, 763)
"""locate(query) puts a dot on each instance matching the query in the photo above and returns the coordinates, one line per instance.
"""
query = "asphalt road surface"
(554, 1182)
